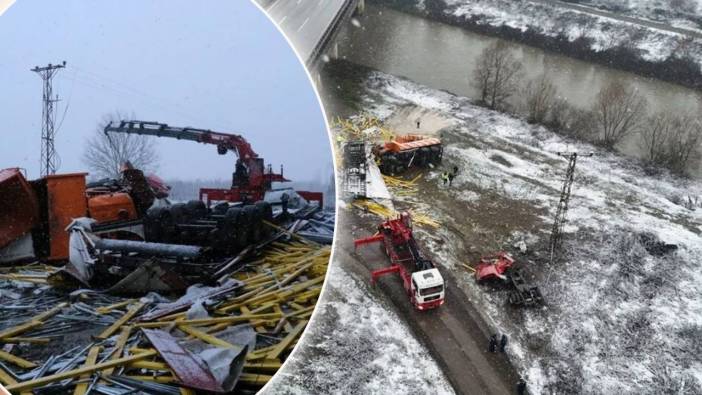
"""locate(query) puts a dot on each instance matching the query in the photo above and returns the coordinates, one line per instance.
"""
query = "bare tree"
(105, 153)
(618, 111)
(540, 95)
(497, 75)
(684, 143)
(655, 136)
(672, 141)
(560, 115)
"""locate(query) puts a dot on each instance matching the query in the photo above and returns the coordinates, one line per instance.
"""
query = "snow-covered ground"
(618, 319)
(357, 344)
(680, 13)
(552, 20)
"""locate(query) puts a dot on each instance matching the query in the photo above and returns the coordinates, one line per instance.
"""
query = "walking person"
(451, 177)
(418, 122)
(503, 342)
(493, 343)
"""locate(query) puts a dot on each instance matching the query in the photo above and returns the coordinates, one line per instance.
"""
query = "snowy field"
(680, 13)
(620, 318)
(551, 20)
(357, 344)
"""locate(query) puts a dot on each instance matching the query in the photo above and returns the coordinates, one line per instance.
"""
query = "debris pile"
(154, 295)
(229, 336)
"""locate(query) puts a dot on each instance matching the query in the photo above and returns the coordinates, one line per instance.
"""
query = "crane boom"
(224, 141)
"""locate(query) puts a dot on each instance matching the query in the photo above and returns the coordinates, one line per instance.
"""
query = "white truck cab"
(427, 289)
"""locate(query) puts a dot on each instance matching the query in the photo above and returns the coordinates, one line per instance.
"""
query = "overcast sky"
(219, 65)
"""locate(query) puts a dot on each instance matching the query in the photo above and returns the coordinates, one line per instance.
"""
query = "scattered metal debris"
(252, 322)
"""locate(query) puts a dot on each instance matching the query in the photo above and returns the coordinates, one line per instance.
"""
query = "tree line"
(669, 140)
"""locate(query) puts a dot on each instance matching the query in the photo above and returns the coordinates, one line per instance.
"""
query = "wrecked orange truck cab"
(19, 207)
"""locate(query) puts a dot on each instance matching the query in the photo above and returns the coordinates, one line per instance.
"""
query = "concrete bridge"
(312, 25)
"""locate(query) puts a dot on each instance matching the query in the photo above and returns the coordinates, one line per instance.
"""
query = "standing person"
(455, 170)
(521, 387)
(445, 177)
(503, 342)
(418, 122)
(451, 177)
(493, 343)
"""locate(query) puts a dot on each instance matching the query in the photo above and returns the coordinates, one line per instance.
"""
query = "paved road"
(623, 18)
(305, 22)
(454, 333)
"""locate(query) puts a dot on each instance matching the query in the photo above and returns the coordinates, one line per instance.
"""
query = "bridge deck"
(308, 23)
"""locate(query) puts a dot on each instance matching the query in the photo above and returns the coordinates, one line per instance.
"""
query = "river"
(443, 56)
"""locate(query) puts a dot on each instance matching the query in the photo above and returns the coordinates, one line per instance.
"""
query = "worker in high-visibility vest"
(445, 177)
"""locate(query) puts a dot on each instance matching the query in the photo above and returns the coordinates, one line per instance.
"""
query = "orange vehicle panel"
(410, 141)
(112, 207)
(66, 201)
(19, 208)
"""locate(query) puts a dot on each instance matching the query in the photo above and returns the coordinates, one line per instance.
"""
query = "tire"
(244, 227)
(220, 208)
(152, 224)
(230, 233)
(266, 210)
(196, 209)
(167, 227)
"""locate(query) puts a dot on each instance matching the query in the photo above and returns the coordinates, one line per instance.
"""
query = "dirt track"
(454, 333)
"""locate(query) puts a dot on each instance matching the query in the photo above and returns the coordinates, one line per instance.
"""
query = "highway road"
(305, 22)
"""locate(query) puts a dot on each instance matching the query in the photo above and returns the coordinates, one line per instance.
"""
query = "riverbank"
(612, 300)
(647, 52)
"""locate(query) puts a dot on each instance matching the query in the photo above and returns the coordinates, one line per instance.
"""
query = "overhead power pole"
(48, 153)
(562, 210)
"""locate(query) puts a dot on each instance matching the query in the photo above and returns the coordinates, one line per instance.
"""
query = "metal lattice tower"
(562, 210)
(48, 163)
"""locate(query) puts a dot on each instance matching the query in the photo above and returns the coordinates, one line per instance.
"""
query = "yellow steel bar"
(15, 360)
(254, 379)
(5, 378)
(277, 294)
(32, 322)
(207, 338)
(283, 345)
(107, 309)
(119, 347)
(117, 324)
(186, 391)
(139, 350)
(149, 365)
(296, 236)
(89, 361)
(266, 366)
(245, 310)
(217, 327)
(77, 372)
(208, 321)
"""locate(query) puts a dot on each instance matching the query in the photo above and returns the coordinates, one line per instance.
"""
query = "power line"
(562, 210)
(49, 157)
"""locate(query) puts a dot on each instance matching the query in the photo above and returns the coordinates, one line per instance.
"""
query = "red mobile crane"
(424, 284)
(251, 178)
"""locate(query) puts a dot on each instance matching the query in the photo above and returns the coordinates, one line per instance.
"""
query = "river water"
(442, 56)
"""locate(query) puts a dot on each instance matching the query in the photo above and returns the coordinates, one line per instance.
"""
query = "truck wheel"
(247, 224)
(152, 224)
(167, 227)
(220, 208)
(231, 228)
(266, 210)
(196, 209)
